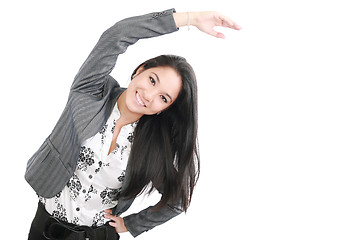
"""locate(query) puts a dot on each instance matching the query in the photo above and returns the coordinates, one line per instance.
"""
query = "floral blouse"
(97, 179)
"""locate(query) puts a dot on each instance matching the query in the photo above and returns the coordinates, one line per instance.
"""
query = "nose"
(149, 95)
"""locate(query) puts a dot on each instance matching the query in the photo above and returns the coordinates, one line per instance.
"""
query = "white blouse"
(97, 179)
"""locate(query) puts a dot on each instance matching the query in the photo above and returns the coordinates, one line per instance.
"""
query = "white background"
(279, 122)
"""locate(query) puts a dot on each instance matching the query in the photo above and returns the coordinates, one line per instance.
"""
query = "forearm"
(150, 218)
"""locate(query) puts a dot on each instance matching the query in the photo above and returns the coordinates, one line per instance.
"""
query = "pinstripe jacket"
(92, 97)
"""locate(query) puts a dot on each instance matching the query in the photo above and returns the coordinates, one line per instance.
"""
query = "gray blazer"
(93, 95)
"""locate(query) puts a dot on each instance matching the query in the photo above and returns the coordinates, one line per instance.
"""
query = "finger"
(220, 35)
(216, 34)
(231, 24)
(113, 224)
(111, 217)
(108, 211)
(225, 21)
(228, 22)
(235, 26)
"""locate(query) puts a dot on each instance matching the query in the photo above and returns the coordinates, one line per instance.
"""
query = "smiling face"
(153, 90)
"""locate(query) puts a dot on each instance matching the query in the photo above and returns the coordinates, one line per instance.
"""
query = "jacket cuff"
(168, 17)
(149, 218)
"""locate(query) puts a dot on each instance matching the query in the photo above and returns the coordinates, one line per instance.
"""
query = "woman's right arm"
(93, 73)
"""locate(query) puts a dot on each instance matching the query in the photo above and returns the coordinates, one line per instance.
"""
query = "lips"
(139, 99)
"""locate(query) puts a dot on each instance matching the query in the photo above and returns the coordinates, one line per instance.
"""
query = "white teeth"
(139, 99)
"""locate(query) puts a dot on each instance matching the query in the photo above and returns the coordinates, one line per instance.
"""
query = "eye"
(152, 81)
(163, 98)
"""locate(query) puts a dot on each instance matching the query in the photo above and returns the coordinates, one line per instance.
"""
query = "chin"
(137, 110)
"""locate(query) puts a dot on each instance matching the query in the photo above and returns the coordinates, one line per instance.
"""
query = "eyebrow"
(158, 79)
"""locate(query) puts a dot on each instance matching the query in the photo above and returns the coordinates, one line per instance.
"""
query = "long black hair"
(164, 154)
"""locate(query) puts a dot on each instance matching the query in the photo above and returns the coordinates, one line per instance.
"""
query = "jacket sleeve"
(149, 218)
(92, 75)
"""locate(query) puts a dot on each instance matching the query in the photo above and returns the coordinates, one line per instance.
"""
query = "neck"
(126, 116)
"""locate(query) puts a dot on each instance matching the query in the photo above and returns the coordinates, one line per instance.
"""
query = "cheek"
(135, 84)
(130, 87)
(158, 106)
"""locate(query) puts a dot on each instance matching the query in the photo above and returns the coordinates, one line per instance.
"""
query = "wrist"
(193, 18)
(185, 19)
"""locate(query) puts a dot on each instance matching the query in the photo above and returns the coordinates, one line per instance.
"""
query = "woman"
(85, 174)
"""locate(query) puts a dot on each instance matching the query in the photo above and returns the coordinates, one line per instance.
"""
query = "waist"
(54, 228)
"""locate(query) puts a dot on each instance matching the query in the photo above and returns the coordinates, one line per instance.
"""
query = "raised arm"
(114, 41)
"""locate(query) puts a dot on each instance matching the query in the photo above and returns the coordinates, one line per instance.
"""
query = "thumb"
(217, 34)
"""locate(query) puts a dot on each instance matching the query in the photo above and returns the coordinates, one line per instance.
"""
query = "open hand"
(206, 21)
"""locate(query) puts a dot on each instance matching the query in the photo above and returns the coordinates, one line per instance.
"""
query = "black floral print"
(113, 128)
(91, 190)
(74, 186)
(86, 158)
(122, 176)
(60, 213)
(116, 149)
(75, 220)
(99, 219)
(102, 132)
(123, 148)
(108, 195)
(97, 180)
(131, 137)
(58, 195)
(101, 165)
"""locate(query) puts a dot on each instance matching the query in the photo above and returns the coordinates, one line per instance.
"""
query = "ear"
(138, 71)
